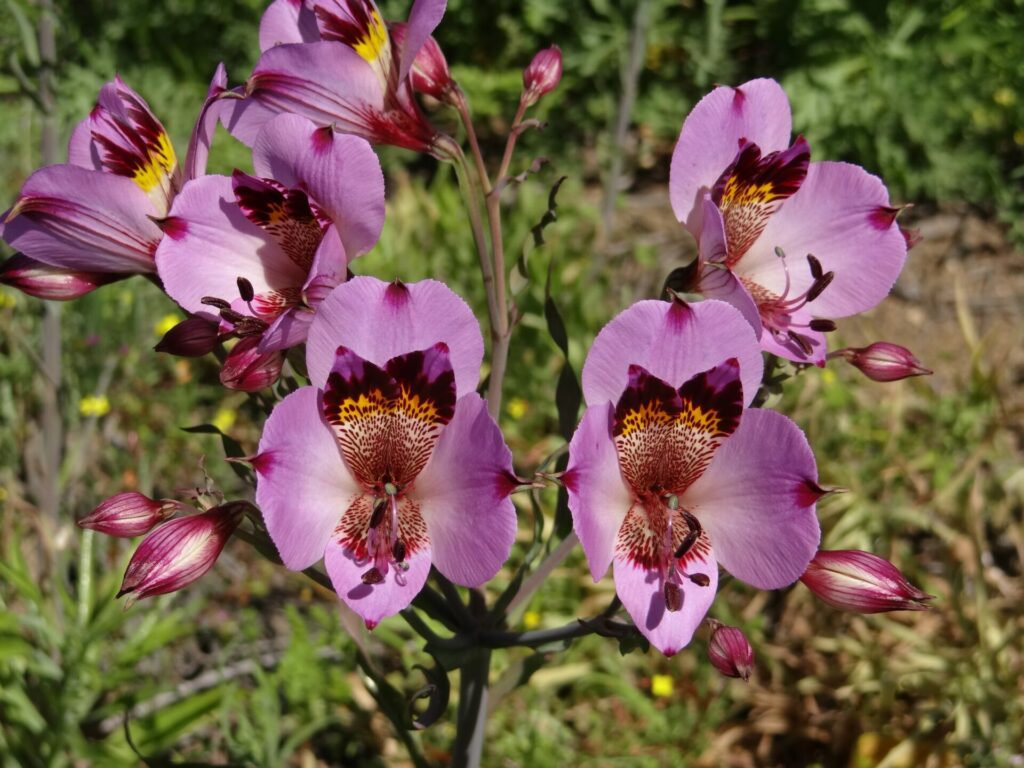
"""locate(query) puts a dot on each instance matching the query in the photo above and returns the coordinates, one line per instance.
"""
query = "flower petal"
(388, 418)
(642, 592)
(753, 501)
(835, 217)
(287, 21)
(673, 341)
(303, 484)
(374, 602)
(74, 218)
(379, 321)
(327, 82)
(714, 280)
(757, 111)
(463, 494)
(206, 124)
(598, 495)
(423, 19)
(340, 173)
(210, 244)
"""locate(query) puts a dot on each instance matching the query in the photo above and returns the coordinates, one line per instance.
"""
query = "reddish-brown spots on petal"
(753, 187)
(643, 538)
(353, 530)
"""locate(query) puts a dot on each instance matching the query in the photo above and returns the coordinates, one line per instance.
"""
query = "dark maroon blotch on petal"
(718, 389)
(643, 390)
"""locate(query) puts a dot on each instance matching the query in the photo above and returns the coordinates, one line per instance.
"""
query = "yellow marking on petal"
(159, 166)
(94, 405)
(164, 324)
(367, 405)
(737, 192)
(700, 419)
(648, 415)
(416, 407)
(662, 686)
(374, 41)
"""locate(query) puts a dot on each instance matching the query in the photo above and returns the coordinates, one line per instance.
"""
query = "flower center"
(384, 546)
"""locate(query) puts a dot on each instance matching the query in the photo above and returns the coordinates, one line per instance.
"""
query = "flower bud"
(730, 651)
(883, 361)
(192, 337)
(429, 73)
(543, 74)
(248, 370)
(129, 514)
(47, 282)
(852, 580)
(180, 551)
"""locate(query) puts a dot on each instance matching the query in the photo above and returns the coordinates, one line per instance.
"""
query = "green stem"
(471, 722)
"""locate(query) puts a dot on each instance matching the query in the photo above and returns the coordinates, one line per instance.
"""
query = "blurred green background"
(252, 666)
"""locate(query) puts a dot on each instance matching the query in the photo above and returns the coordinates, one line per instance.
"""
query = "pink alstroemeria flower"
(97, 213)
(792, 244)
(389, 461)
(334, 62)
(260, 252)
(669, 476)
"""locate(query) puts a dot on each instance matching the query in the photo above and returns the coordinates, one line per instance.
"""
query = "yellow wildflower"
(661, 686)
(164, 324)
(94, 405)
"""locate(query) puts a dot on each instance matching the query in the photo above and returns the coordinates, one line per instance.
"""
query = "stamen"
(816, 270)
(399, 551)
(373, 576)
(820, 285)
(686, 544)
(822, 326)
(213, 301)
(379, 505)
(245, 290)
(673, 597)
(801, 341)
(700, 579)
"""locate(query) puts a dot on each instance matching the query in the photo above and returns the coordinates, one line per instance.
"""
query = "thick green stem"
(471, 722)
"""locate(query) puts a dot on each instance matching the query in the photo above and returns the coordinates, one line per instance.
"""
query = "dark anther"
(816, 270)
(399, 551)
(822, 326)
(801, 341)
(213, 301)
(820, 284)
(373, 576)
(230, 316)
(248, 326)
(687, 543)
(245, 290)
(673, 597)
(700, 579)
(379, 505)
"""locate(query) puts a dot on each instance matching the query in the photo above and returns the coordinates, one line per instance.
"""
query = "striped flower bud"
(852, 580)
(180, 551)
(192, 337)
(730, 651)
(129, 514)
(44, 281)
(543, 74)
(883, 361)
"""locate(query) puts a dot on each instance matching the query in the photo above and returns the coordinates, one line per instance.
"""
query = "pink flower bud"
(883, 361)
(730, 651)
(429, 73)
(248, 370)
(47, 282)
(192, 337)
(543, 74)
(129, 514)
(180, 551)
(852, 580)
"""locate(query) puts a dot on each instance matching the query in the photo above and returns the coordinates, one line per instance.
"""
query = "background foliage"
(254, 667)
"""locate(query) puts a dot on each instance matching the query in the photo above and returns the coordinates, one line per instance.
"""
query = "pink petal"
(463, 494)
(423, 19)
(376, 602)
(212, 244)
(327, 82)
(287, 21)
(791, 350)
(340, 173)
(329, 267)
(716, 282)
(78, 219)
(833, 216)
(206, 124)
(289, 329)
(753, 501)
(303, 485)
(642, 593)
(598, 496)
(379, 320)
(82, 150)
(673, 341)
(757, 111)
